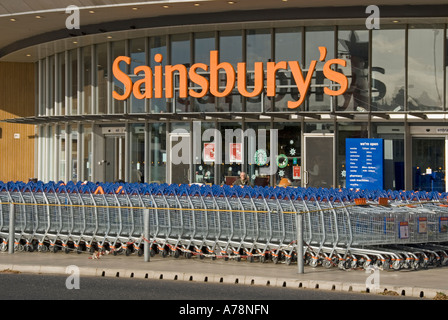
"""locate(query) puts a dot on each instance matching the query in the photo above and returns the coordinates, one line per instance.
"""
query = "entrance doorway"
(179, 167)
(428, 163)
(114, 161)
(318, 164)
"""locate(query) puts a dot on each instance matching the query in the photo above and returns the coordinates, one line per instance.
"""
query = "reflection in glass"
(231, 51)
(87, 79)
(118, 49)
(60, 98)
(289, 144)
(228, 168)
(425, 69)
(204, 171)
(158, 152)
(388, 69)
(138, 58)
(87, 152)
(258, 137)
(393, 135)
(137, 155)
(288, 47)
(157, 45)
(258, 49)
(180, 54)
(315, 38)
(73, 71)
(101, 77)
(428, 164)
(204, 42)
(353, 46)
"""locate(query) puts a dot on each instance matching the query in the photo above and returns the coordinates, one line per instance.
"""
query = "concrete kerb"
(427, 293)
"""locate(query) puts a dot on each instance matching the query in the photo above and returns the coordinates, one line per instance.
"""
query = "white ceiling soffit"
(26, 19)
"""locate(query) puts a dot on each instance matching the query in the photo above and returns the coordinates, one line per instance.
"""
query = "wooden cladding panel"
(17, 97)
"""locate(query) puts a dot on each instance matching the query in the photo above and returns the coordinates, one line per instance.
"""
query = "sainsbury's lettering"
(209, 78)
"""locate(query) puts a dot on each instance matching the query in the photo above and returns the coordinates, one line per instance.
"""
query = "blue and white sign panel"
(364, 163)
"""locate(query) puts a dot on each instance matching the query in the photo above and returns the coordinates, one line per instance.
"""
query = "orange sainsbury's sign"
(152, 80)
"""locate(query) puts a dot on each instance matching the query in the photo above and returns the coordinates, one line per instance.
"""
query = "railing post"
(12, 228)
(299, 249)
(146, 247)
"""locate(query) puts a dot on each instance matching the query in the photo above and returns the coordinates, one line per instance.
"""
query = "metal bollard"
(12, 229)
(146, 247)
(300, 262)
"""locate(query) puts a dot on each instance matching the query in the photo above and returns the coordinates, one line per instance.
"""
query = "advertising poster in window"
(209, 152)
(236, 152)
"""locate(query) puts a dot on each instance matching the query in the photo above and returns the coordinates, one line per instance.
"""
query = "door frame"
(170, 148)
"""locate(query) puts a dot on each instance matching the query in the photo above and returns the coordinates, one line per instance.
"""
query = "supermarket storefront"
(129, 107)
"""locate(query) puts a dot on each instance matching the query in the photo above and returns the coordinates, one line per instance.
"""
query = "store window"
(258, 49)
(101, 78)
(428, 163)
(314, 38)
(137, 152)
(87, 152)
(231, 51)
(231, 160)
(73, 76)
(257, 152)
(138, 58)
(205, 153)
(180, 55)
(425, 68)
(157, 45)
(288, 47)
(158, 152)
(393, 146)
(353, 46)
(87, 79)
(289, 148)
(388, 69)
(347, 130)
(204, 42)
(119, 49)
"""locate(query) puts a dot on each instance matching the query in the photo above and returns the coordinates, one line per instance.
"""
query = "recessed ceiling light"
(396, 21)
(12, 19)
(91, 11)
(197, 4)
(166, 7)
(231, 2)
(134, 8)
(38, 17)
(28, 55)
(109, 37)
(75, 42)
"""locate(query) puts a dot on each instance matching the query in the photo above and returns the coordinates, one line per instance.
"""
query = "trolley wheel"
(326, 264)
(176, 254)
(288, 261)
(275, 260)
(79, 250)
(152, 253)
(250, 259)
(128, 252)
(164, 254)
(67, 250)
(188, 255)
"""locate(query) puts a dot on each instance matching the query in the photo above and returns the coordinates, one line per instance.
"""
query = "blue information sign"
(364, 163)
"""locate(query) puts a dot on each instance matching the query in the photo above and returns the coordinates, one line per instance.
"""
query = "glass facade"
(396, 71)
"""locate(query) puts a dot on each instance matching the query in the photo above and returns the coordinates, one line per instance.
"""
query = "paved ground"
(421, 283)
